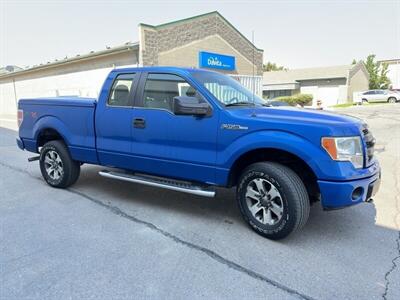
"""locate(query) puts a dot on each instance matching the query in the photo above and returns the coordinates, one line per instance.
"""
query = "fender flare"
(279, 140)
(51, 122)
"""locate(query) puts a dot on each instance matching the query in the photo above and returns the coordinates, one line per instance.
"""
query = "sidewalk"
(8, 121)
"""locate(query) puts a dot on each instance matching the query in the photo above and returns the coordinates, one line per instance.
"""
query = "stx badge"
(234, 127)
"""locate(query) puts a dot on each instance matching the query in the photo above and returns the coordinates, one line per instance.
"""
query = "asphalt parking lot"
(105, 239)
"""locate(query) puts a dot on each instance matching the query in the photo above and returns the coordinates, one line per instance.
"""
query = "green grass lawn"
(343, 105)
(351, 104)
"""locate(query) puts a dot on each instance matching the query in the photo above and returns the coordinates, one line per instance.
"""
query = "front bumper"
(339, 194)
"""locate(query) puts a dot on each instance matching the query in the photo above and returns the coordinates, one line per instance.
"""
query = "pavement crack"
(213, 255)
(392, 268)
(19, 170)
(394, 264)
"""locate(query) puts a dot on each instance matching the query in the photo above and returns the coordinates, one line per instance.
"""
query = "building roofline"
(395, 60)
(280, 83)
(306, 79)
(199, 16)
(308, 74)
(180, 20)
(324, 78)
(118, 49)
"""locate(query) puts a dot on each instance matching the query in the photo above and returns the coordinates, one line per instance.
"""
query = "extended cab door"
(166, 144)
(114, 120)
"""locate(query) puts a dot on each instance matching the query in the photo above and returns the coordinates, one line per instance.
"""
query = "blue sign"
(216, 61)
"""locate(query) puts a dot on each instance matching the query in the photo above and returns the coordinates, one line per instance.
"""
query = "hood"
(308, 115)
(298, 120)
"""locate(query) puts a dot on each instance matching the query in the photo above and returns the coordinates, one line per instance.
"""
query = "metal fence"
(252, 83)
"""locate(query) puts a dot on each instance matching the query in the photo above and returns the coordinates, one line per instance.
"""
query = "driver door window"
(160, 90)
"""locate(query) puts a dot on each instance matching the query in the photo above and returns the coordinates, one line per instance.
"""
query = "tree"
(377, 73)
(384, 81)
(354, 61)
(270, 66)
(373, 69)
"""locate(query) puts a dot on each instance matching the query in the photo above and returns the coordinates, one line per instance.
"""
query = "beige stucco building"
(331, 85)
(177, 43)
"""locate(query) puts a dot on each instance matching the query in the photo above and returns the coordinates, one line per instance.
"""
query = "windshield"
(227, 90)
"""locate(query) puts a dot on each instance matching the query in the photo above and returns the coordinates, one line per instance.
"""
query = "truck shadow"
(136, 198)
(223, 206)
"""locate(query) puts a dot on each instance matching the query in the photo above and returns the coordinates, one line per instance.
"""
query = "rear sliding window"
(121, 91)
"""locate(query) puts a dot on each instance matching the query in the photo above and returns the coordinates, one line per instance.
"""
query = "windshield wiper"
(239, 104)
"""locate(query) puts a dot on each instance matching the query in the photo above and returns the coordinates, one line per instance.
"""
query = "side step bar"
(160, 182)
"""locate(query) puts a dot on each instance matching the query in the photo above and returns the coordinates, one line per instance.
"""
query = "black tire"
(292, 192)
(363, 101)
(69, 169)
(392, 100)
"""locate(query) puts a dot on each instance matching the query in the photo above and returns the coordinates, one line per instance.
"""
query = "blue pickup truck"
(192, 130)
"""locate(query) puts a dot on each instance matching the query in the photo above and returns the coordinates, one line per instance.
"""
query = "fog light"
(357, 193)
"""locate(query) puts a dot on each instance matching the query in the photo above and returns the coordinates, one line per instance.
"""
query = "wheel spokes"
(276, 209)
(53, 165)
(260, 185)
(273, 192)
(56, 174)
(47, 160)
(58, 159)
(251, 193)
(255, 208)
(267, 218)
(264, 201)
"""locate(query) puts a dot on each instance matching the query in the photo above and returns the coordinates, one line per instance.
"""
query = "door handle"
(139, 123)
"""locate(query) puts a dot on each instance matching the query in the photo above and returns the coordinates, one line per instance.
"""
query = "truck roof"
(161, 69)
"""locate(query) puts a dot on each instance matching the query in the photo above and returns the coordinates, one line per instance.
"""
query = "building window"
(275, 94)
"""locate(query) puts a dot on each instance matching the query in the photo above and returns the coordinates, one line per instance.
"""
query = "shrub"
(300, 99)
(303, 99)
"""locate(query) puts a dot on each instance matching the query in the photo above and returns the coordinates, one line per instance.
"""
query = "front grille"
(370, 143)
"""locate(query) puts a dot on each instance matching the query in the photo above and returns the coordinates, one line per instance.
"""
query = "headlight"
(345, 149)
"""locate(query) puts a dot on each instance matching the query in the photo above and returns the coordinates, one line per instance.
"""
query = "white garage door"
(328, 95)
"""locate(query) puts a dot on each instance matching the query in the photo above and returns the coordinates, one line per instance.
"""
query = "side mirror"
(184, 105)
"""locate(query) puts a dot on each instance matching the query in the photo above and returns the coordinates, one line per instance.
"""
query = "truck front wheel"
(58, 168)
(272, 199)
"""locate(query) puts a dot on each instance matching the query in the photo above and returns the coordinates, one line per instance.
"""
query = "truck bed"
(73, 116)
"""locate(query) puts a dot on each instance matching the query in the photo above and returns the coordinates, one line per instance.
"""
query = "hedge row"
(300, 99)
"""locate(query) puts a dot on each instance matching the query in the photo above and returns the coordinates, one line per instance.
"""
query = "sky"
(294, 34)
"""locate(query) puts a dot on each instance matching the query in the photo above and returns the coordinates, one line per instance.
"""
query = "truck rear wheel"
(58, 168)
(272, 199)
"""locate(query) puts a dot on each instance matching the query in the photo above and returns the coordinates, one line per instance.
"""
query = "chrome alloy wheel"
(53, 165)
(264, 201)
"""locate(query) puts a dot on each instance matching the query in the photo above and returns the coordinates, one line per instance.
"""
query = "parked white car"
(379, 96)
